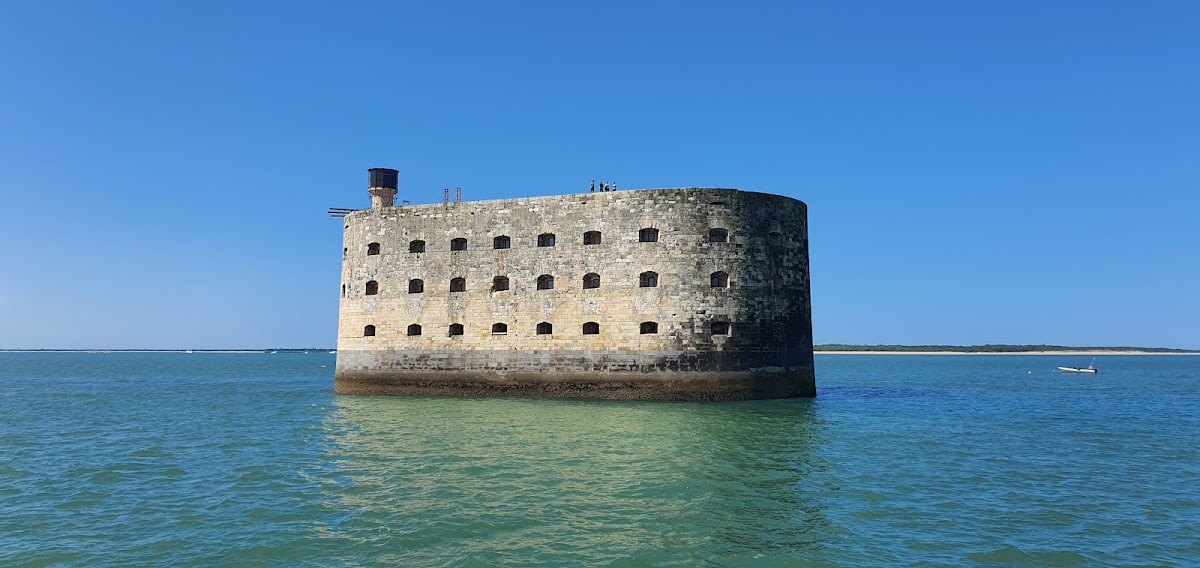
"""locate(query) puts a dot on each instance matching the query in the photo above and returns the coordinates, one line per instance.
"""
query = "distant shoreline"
(1091, 353)
(183, 351)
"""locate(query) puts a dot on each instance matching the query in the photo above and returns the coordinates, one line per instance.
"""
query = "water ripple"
(246, 459)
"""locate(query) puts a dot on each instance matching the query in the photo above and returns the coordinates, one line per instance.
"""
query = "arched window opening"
(458, 285)
(720, 328)
(648, 236)
(369, 331)
(591, 238)
(648, 280)
(718, 236)
(775, 238)
(502, 242)
(414, 329)
(719, 280)
(499, 329)
(545, 328)
(416, 246)
(372, 288)
(343, 290)
(546, 240)
(416, 286)
(458, 244)
(499, 283)
(456, 329)
(545, 282)
(372, 249)
(591, 328)
(591, 280)
(345, 251)
(649, 327)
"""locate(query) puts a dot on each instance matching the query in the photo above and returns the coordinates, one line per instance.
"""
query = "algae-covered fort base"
(693, 386)
(665, 294)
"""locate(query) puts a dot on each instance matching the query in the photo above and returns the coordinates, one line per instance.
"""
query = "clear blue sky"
(976, 172)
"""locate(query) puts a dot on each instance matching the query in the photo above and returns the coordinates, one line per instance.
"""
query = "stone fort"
(658, 294)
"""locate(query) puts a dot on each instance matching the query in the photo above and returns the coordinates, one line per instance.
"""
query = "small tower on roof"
(382, 184)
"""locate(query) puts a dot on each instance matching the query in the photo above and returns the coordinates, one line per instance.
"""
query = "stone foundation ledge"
(690, 386)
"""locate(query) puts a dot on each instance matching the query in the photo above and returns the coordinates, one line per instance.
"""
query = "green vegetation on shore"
(229, 350)
(998, 348)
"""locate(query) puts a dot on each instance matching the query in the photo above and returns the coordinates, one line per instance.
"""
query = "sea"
(200, 459)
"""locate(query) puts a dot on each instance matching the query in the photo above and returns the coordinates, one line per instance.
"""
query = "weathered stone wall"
(766, 353)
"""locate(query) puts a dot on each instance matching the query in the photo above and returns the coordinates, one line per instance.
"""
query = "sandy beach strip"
(1090, 353)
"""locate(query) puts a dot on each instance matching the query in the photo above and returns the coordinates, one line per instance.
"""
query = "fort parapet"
(665, 294)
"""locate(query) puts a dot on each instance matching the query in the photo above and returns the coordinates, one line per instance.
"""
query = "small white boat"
(1091, 368)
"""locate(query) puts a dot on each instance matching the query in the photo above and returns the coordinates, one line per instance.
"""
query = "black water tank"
(382, 177)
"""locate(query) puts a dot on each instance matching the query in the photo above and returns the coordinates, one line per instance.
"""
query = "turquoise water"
(205, 459)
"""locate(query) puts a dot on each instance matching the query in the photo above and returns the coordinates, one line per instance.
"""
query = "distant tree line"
(230, 349)
(989, 348)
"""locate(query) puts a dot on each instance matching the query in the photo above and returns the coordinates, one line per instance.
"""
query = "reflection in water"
(499, 480)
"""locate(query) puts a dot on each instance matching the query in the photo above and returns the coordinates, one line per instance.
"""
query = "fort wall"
(702, 294)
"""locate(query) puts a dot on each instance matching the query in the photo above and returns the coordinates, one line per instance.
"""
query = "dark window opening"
(720, 328)
(546, 240)
(372, 249)
(343, 290)
(591, 238)
(545, 282)
(717, 203)
(456, 329)
(414, 329)
(719, 280)
(648, 280)
(545, 328)
(775, 238)
(591, 280)
(499, 283)
(499, 328)
(458, 285)
(416, 286)
(501, 242)
(648, 236)
(649, 327)
(458, 244)
(345, 251)
(372, 288)
(591, 328)
(416, 246)
(718, 236)
(369, 331)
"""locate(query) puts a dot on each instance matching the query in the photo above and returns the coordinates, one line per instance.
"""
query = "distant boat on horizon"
(1091, 368)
